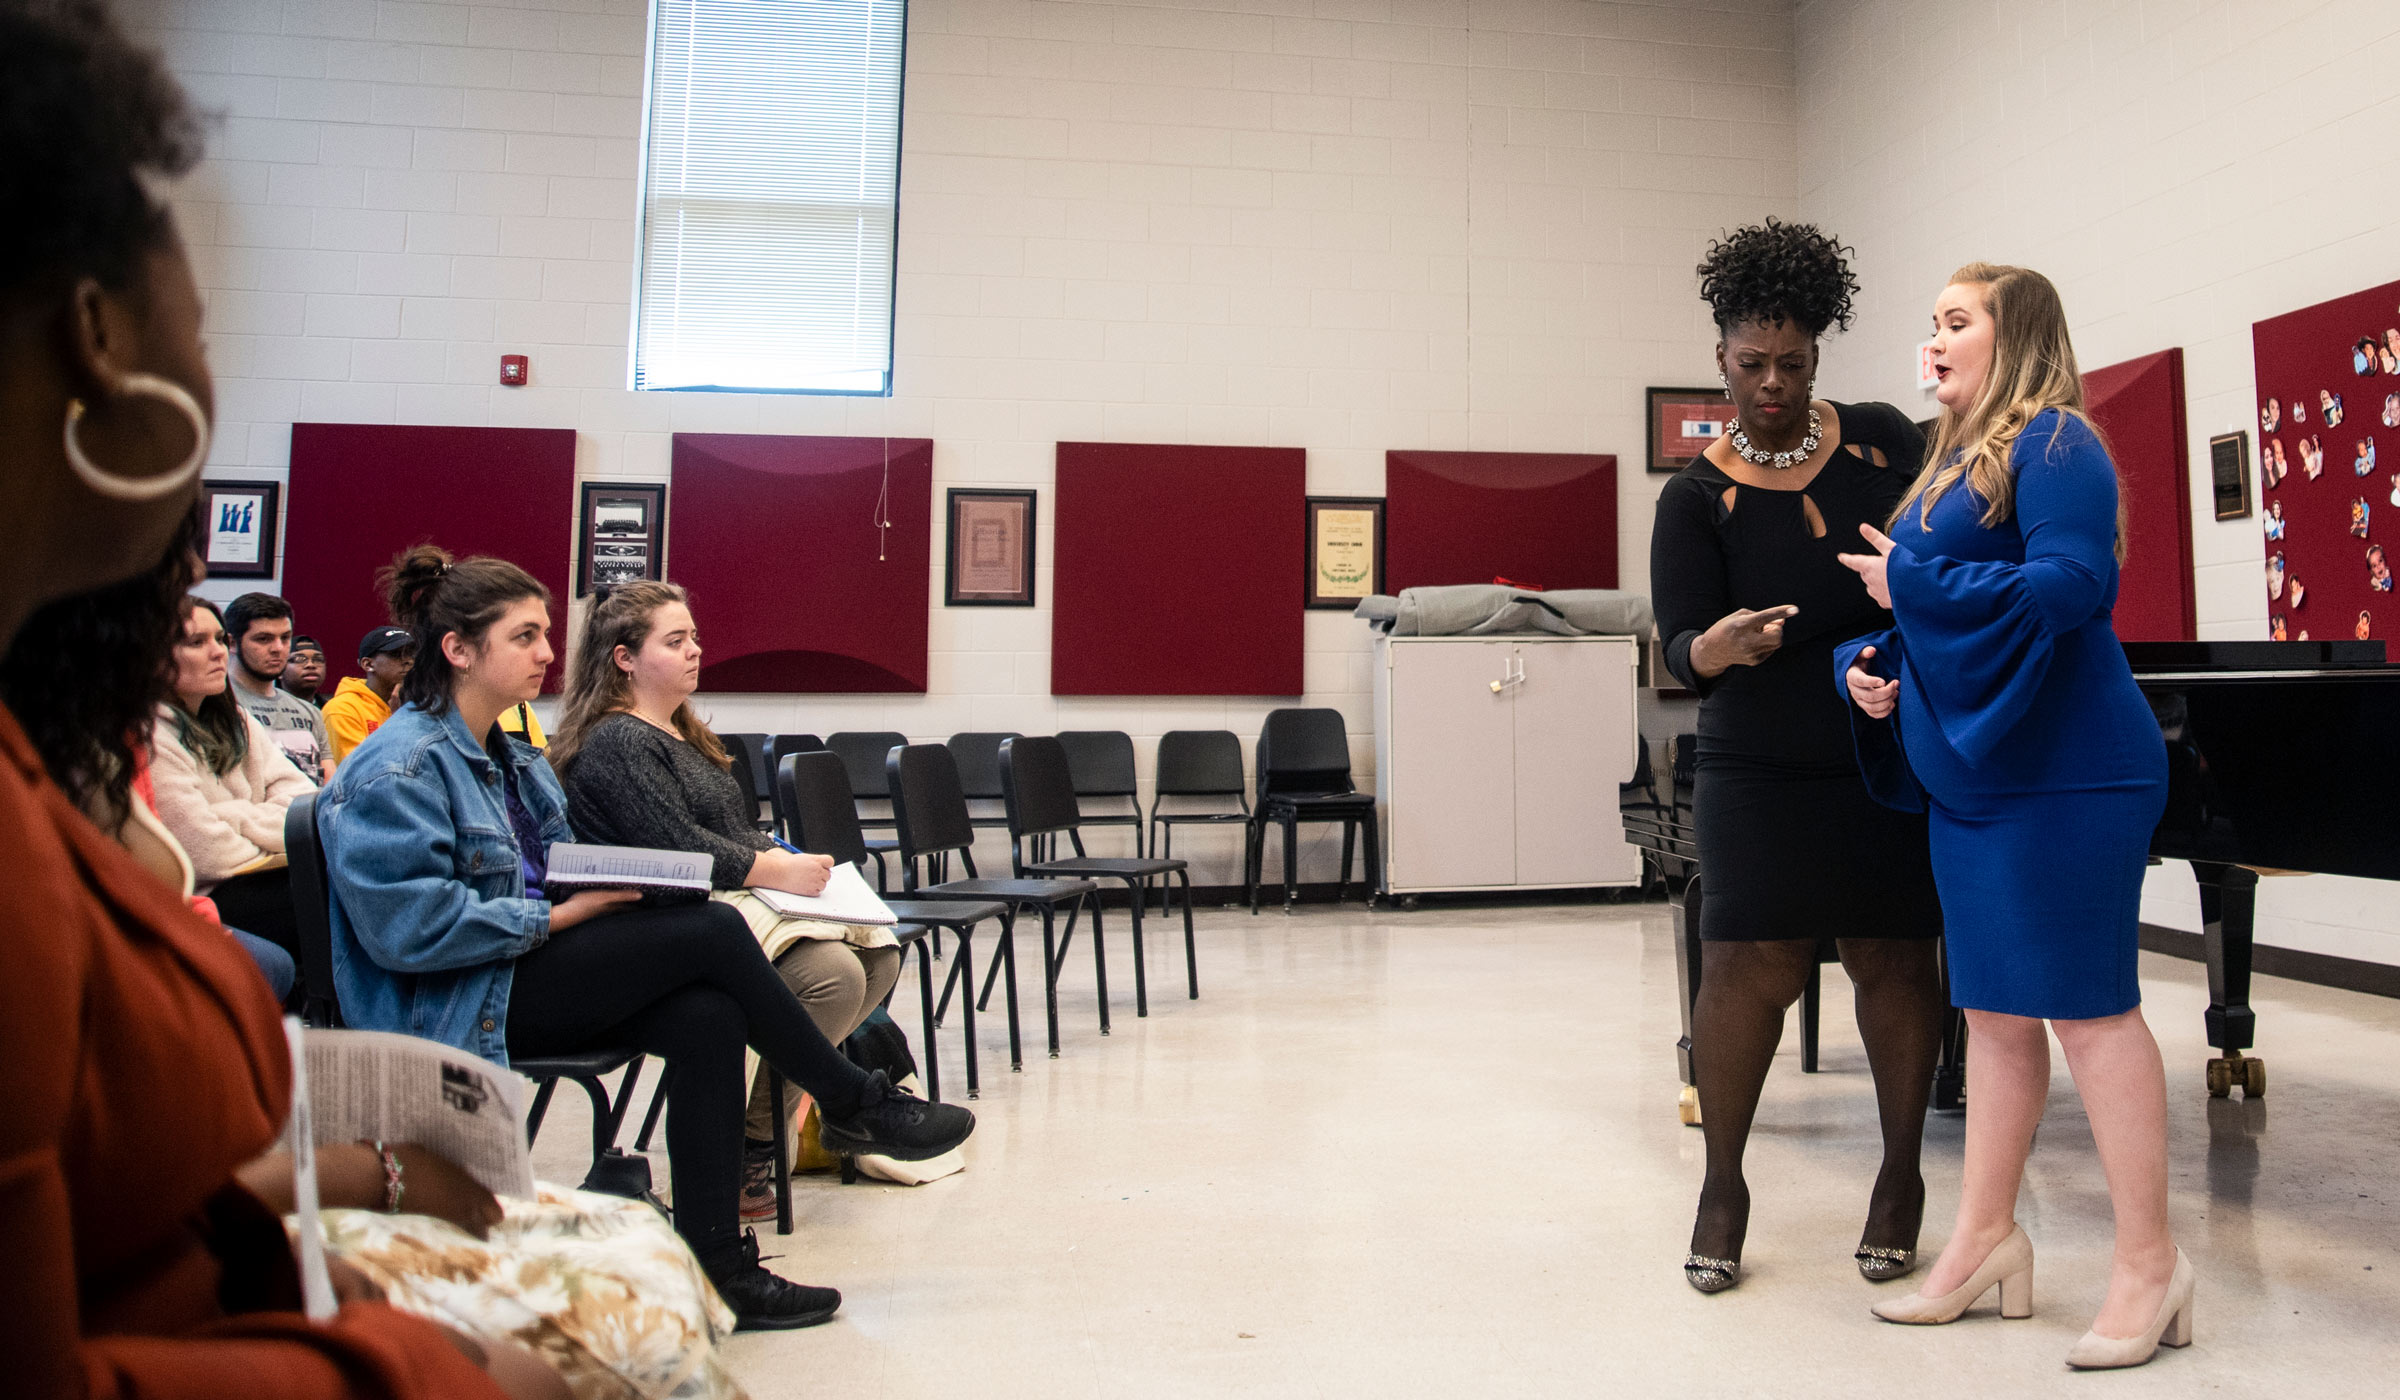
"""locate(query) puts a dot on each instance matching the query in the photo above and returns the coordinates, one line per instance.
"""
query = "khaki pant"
(837, 985)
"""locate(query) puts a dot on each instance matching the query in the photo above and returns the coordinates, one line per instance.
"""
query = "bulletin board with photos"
(2329, 465)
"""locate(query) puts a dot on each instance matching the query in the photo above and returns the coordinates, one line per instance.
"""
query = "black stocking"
(1900, 1005)
(1745, 989)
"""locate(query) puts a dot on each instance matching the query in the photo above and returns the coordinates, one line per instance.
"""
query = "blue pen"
(795, 850)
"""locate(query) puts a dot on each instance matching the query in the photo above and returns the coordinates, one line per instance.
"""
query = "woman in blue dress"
(2002, 705)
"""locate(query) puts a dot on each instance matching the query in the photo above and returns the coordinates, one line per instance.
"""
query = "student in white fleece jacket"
(223, 787)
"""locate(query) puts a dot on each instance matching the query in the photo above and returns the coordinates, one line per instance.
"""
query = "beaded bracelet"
(392, 1185)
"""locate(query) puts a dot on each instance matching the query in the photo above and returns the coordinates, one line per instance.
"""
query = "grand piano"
(2281, 757)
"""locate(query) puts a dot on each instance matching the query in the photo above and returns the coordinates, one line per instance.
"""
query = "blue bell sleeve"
(1881, 759)
(1983, 633)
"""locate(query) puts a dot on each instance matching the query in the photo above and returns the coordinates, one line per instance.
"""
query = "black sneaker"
(763, 1301)
(891, 1123)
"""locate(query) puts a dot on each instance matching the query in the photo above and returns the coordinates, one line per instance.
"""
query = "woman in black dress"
(1751, 601)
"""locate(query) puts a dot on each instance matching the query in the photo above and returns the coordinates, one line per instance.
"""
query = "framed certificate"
(1683, 422)
(2229, 474)
(990, 560)
(624, 533)
(240, 537)
(1345, 550)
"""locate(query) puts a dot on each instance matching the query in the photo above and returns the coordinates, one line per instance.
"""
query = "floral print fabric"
(602, 1287)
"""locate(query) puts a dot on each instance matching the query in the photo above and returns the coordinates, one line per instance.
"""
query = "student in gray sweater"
(641, 769)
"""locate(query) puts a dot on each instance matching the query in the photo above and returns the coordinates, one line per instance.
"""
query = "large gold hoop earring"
(141, 488)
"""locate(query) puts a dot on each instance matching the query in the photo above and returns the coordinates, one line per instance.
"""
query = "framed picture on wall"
(623, 534)
(2229, 473)
(1683, 422)
(241, 518)
(989, 563)
(1345, 550)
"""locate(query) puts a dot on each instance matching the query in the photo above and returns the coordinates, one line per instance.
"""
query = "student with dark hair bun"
(437, 831)
(1751, 601)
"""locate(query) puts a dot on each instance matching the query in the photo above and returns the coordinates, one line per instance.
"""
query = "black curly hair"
(85, 675)
(1777, 272)
(86, 116)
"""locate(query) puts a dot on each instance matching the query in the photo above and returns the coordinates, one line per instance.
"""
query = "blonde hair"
(618, 617)
(2033, 369)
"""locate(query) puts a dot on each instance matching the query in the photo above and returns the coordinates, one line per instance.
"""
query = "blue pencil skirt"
(2042, 895)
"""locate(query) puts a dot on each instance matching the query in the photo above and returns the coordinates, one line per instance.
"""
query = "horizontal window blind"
(769, 196)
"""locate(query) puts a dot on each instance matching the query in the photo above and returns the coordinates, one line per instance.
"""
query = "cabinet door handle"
(1514, 675)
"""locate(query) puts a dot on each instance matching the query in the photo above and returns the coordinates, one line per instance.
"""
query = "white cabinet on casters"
(1497, 761)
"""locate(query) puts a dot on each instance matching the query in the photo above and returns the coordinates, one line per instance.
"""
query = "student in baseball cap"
(385, 655)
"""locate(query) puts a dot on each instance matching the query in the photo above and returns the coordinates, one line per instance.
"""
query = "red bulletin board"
(362, 492)
(2139, 407)
(2330, 499)
(1546, 518)
(796, 587)
(1178, 570)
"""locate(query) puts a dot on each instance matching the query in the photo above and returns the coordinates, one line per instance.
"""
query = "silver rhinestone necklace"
(1778, 461)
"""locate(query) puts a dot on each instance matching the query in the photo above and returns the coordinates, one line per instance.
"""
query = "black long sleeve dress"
(1791, 845)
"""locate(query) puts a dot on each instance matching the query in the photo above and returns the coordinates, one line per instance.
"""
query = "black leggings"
(686, 983)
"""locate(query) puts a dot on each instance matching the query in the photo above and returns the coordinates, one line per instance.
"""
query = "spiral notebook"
(846, 900)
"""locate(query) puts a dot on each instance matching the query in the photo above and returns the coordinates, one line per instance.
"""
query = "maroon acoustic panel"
(2329, 463)
(1544, 518)
(1178, 570)
(2139, 407)
(807, 559)
(362, 492)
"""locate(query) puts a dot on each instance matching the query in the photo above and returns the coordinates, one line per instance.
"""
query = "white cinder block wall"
(2180, 170)
(1343, 225)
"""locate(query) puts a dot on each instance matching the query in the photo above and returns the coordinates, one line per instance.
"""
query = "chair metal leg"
(933, 1064)
(1341, 891)
(658, 1105)
(1254, 838)
(1141, 977)
(966, 974)
(1811, 1005)
(1291, 862)
(1374, 856)
(1099, 959)
(1191, 954)
(616, 1109)
(1050, 978)
(783, 1152)
(1008, 954)
(540, 1109)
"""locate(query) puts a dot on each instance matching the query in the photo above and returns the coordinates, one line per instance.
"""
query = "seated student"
(223, 787)
(642, 770)
(437, 833)
(360, 703)
(260, 625)
(304, 676)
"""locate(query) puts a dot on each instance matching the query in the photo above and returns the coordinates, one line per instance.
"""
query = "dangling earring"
(1724, 384)
(141, 488)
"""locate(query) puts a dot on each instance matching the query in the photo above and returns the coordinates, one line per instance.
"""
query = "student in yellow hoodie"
(359, 705)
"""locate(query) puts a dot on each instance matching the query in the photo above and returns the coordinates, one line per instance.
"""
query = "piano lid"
(2146, 657)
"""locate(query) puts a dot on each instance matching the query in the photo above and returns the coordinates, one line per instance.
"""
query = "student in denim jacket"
(437, 832)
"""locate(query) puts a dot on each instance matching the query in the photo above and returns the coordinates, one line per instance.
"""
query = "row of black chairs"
(1303, 775)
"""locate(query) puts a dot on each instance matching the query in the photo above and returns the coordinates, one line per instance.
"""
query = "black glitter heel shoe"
(1878, 1264)
(1711, 1275)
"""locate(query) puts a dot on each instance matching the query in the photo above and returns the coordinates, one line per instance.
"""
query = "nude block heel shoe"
(2172, 1329)
(2009, 1265)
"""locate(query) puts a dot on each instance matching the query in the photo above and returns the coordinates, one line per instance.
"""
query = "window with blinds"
(770, 188)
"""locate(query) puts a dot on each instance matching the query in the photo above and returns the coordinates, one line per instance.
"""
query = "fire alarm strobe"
(513, 369)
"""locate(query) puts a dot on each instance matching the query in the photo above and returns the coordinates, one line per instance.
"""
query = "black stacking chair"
(1100, 761)
(978, 758)
(1041, 801)
(862, 754)
(1195, 763)
(778, 748)
(820, 816)
(932, 811)
(312, 909)
(1304, 776)
(743, 750)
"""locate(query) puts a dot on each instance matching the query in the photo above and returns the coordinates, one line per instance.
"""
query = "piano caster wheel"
(1408, 902)
(1687, 1106)
(2242, 1071)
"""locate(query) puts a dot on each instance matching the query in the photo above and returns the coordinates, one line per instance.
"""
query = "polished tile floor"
(1436, 1154)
